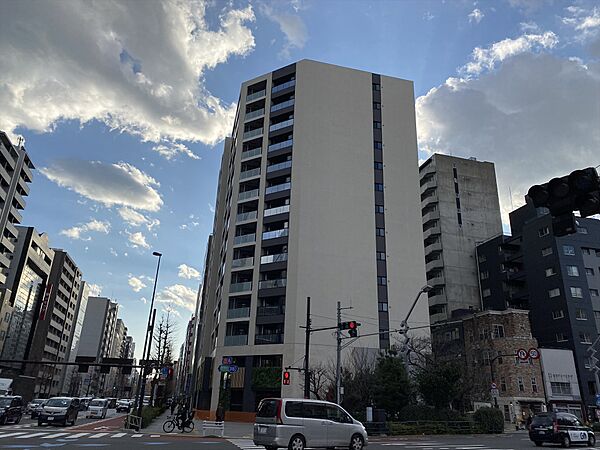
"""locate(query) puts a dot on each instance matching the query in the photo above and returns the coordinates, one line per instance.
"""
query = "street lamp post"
(147, 344)
(404, 327)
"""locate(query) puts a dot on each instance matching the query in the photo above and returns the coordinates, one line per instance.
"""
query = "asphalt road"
(34, 437)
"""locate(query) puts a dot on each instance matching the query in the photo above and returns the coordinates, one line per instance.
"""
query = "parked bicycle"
(173, 422)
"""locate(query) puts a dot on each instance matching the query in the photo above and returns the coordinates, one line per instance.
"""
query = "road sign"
(598, 400)
(522, 354)
(493, 386)
(227, 360)
(534, 353)
(164, 371)
(494, 393)
(228, 368)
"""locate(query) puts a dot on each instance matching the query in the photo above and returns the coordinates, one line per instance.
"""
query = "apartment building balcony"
(431, 184)
(244, 239)
(268, 259)
(242, 263)
(282, 105)
(278, 188)
(280, 145)
(438, 299)
(429, 169)
(238, 313)
(249, 154)
(280, 125)
(254, 114)
(232, 341)
(27, 172)
(256, 96)
(248, 195)
(274, 211)
(283, 86)
(437, 280)
(279, 166)
(275, 234)
(245, 217)
(252, 133)
(250, 173)
(263, 339)
(270, 310)
(430, 200)
(236, 288)
(431, 215)
(271, 284)
(432, 248)
(435, 230)
(435, 264)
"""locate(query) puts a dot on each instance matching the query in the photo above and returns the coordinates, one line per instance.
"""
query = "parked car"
(124, 405)
(298, 424)
(11, 409)
(560, 428)
(35, 406)
(112, 403)
(98, 408)
(61, 410)
(86, 401)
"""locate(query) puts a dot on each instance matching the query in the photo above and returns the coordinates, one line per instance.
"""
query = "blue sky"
(124, 106)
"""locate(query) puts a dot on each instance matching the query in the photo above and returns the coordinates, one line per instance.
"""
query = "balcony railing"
(251, 153)
(270, 284)
(278, 210)
(278, 188)
(252, 133)
(242, 262)
(268, 259)
(281, 87)
(240, 287)
(281, 145)
(240, 339)
(275, 338)
(280, 125)
(253, 114)
(281, 105)
(244, 239)
(270, 310)
(249, 173)
(279, 166)
(238, 313)
(255, 95)
(242, 217)
(275, 234)
(248, 194)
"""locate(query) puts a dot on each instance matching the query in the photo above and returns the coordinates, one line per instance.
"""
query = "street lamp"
(147, 343)
(404, 326)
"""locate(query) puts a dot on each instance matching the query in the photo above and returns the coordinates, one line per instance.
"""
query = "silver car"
(300, 423)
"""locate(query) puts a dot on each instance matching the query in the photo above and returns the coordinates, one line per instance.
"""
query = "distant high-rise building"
(460, 208)
(318, 197)
(70, 384)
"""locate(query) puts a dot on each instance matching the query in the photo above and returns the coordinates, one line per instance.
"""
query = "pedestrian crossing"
(68, 437)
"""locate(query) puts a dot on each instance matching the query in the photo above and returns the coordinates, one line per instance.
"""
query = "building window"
(582, 230)
(576, 292)
(376, 86)
(497, 331)
(484, 334)
(534, 386)
(379, 187)
(572, 271)
(580, 314)
(484, 275)
(378, 165)
(486, 293)
(544, 231)
(383, 307)
(560, 337)
(546, 251)
(459, 218)
(594, 293)
(560, 388)
(586, 251)
(378, 145)
(482, 258)
(503, 384)
(558, 314)
(377, 125)
(381, 281)
(379, 231)
(584, 338)
(381, 256)
(550, 271)
(520, 384)
(568, 250)
(554, 292)
(376, 105)
(589, 271)
(379, 209)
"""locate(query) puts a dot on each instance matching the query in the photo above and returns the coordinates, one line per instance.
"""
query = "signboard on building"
(560, 376)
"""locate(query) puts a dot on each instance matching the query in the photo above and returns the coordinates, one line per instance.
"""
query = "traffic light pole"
(338, 361)
(307, 351)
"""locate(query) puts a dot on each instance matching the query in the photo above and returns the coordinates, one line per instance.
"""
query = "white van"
(299, 423)
(97, 408)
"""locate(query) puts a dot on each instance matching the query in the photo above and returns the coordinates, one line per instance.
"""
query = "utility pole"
(338, 361)
(307, 351)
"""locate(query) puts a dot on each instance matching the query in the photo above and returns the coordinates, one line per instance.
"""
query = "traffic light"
(82, 360)
(286, 378)
(578, 191)
(351, 326)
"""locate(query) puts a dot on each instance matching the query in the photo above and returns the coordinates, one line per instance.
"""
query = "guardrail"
(133, 422)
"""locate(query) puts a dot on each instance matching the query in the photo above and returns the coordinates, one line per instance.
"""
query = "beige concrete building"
(318, 197)
(460, 208)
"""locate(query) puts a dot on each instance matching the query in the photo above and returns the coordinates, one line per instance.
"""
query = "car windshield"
(5, 402)
(58, 402)
(97, 403)
(37, 401)
(541, 420)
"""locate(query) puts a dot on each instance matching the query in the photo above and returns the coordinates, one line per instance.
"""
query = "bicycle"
(172, 422)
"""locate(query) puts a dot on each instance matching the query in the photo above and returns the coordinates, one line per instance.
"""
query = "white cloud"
(529, 27)
(94, 289)
(110, 184)
(77, 232)
(136, 283)
(476, 15)
(178, 295)
(586, 22)
(487, 58)
(113, 252)
(138, 67)
(173, 149)
(211, 208)
(536, 116)
(188, 272)
(291, 25)
(138, 239)
(136, 219)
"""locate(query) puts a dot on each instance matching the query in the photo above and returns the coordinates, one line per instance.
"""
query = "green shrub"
(149, 414)
(489, 420)
(422, 412)
(596, 426)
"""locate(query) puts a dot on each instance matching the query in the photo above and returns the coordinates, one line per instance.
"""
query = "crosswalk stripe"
(96, 436)
(136, 435)
(155, 435)
(32, 435)
(118, 435)
(78, 435)
(54, 436)
(11, 434)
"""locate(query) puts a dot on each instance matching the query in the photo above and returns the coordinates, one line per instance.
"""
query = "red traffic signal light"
(286, 378)
(352, 325)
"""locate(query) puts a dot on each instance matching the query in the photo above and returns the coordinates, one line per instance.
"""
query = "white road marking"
(118, 435)
(11, 434)
(136, 435)
(27, 436)
(76, 436)
(54, 436)
(97, 436)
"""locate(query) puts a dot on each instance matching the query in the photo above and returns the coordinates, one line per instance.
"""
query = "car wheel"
(297, 442)
(357, 442)
(538, 443)
(566, 442)
(591, 440)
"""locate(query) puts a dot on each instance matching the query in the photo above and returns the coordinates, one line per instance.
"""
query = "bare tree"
(163, 343)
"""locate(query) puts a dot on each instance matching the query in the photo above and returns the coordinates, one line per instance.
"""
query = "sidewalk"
(232, 429)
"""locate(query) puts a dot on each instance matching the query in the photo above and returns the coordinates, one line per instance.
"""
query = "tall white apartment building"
(318, 197)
